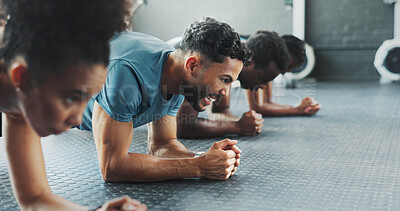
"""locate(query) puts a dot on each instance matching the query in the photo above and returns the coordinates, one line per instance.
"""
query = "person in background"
(273, 55)
(53, 59)
(260, 100)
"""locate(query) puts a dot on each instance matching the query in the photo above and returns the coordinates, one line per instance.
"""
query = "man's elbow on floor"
(110, 173)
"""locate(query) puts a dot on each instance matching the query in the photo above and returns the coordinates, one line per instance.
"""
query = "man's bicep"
(110, 135)
(162, 129)
(121, 95)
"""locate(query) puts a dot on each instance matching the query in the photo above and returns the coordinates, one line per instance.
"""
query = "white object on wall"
(386, 75)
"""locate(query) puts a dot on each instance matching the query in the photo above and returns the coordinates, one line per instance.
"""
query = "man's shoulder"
(139, 40)
(142, 50)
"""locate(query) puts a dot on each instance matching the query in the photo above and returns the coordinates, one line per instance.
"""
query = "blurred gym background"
(345, 34)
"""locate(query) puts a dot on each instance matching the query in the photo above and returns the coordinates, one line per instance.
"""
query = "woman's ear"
(18, 72)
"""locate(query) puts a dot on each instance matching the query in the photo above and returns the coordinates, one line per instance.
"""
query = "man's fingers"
(118, 201)
(317, 106)
(230, 169)
(122, 203)
(234, 148)
(312, 109)
(234, 171)
(256, 115)
(128, 207)
(237, 163)
(238, 156)
(260, 121)
(232, 161)
(230, 154)
(222, 144)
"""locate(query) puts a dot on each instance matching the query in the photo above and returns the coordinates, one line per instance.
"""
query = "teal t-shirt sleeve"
(121, 96)
(176, 106)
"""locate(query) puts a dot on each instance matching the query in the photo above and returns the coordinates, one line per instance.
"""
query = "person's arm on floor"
(113, 139)
(163, 143)
(28, 173)
(260, 101)
(191, 126)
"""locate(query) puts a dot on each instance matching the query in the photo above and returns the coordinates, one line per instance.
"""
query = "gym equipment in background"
(387, 57)
(298, 30)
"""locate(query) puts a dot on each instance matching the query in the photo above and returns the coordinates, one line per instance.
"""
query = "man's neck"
(171, 76)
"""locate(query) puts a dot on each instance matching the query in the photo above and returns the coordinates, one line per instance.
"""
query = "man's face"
(293, 63)
(257, 77)
(211, 81)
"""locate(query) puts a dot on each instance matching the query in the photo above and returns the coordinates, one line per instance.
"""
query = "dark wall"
(345, 35)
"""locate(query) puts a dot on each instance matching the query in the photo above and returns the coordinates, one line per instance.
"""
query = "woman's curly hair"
(52, 35)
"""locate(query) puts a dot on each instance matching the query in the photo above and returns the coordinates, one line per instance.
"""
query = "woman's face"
(58, 103)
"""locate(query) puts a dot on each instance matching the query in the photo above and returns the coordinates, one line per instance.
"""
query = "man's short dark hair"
(52, 35)
(295, 47)
(215, 40)
(267, 46)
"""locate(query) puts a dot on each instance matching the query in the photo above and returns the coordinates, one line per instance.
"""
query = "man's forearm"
(228, 116)
(137, 167)
(169, 149)
(204, 128)
(269, 110)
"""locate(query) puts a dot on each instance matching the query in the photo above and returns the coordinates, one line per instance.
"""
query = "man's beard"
(193, 94)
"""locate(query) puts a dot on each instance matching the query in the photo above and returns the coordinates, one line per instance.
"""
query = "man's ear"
(18, 73)
(251, 64)
(192, 65)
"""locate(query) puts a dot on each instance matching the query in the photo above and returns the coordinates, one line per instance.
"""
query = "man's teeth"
(210, 99)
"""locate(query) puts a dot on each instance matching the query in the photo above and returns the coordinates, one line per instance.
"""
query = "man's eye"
(225, 80)
(72, 99)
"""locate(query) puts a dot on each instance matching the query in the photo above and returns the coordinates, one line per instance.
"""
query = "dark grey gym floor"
(345, 158)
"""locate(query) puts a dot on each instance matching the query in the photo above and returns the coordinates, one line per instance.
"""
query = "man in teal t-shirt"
(131, 92)
(147, 82)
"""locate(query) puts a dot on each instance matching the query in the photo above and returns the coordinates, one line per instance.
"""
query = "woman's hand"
(123, 203)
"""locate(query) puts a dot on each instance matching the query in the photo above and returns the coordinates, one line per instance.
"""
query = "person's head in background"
(296, 49)
(54, 57)
(270, 58)
(213, 58)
